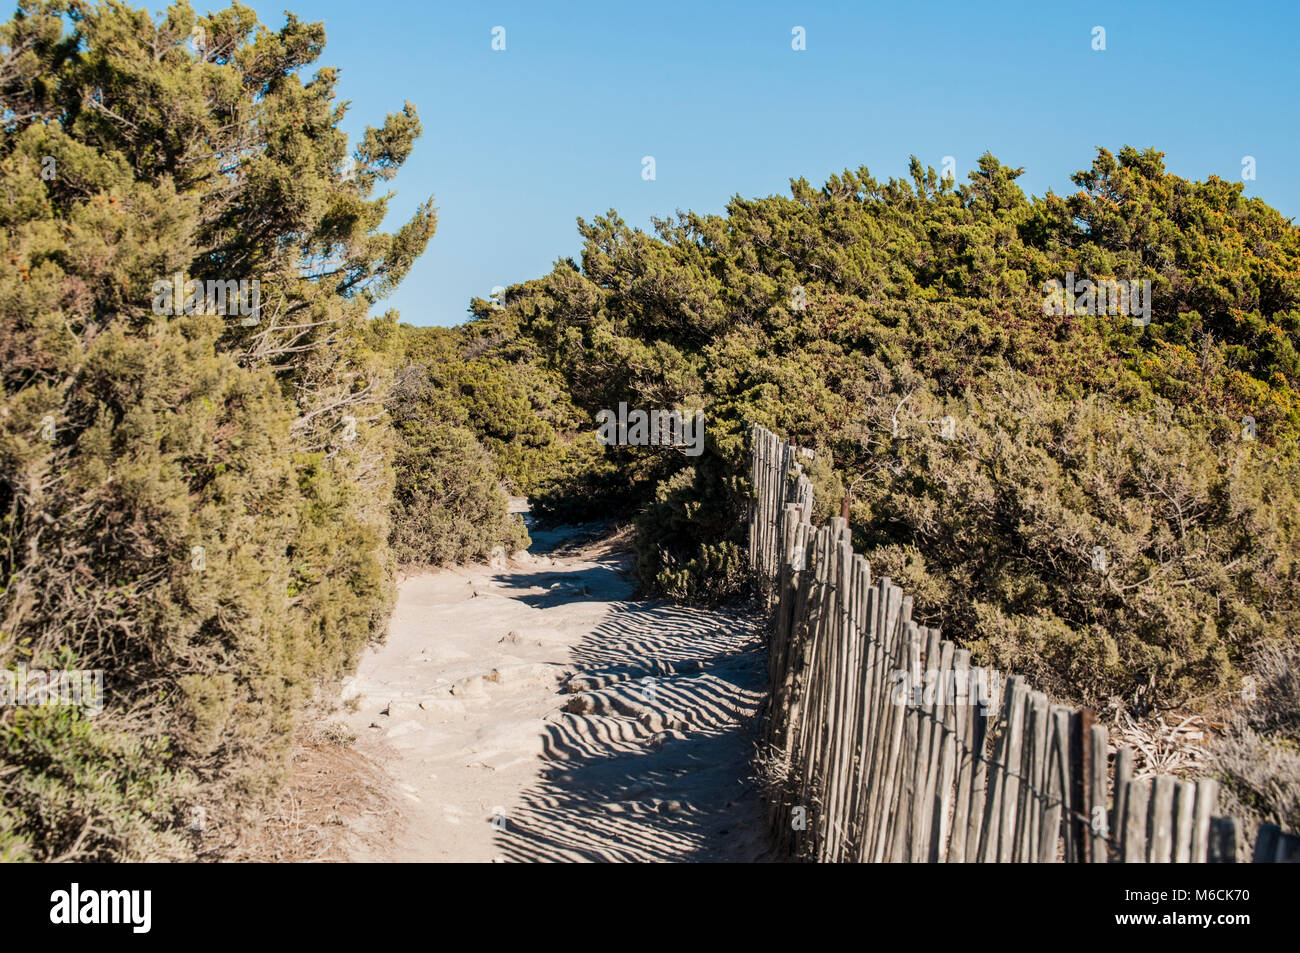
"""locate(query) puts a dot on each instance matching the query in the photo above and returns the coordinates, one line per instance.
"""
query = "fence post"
(878, 727)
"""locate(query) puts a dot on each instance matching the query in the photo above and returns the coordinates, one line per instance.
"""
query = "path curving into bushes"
(535, 712)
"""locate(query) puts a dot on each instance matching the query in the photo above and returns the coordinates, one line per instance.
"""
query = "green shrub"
(920, 301)
(197, 506)
(676, 555)
(87, 791)
(448, 505)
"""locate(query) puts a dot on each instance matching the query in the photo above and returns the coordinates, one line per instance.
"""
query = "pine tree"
(195, 502)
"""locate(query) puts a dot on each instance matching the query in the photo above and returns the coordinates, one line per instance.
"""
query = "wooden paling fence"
(884, 743)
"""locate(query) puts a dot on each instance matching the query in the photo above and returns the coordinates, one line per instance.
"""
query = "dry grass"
(1254, 751)
(335, 797)
(1258, 758)
(1178, 746)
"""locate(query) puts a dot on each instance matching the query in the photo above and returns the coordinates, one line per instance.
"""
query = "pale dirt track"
(534, 713)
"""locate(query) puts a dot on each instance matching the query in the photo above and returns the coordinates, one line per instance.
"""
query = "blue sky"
(518, 143)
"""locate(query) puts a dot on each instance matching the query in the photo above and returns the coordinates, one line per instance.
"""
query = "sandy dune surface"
(531, 712)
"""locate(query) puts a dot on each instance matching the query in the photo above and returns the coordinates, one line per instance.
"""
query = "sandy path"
(534, 713)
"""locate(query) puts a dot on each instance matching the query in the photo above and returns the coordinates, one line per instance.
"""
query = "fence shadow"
(647, 761)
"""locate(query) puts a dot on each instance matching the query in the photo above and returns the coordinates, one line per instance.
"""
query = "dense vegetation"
(448, 504)
(989, 450)
(1108, 506)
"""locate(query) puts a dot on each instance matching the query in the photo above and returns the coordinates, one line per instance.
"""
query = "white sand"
(534, 713)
